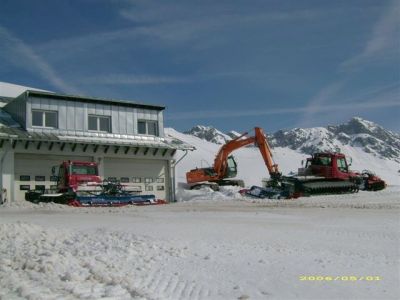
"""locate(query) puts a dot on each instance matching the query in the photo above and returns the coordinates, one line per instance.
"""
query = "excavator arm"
(221, 160)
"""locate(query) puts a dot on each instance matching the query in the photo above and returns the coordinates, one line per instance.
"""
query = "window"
(148, 180)
(42, 118)
(99, 123)
(148, 127)
(124, 179)
(40, 178)
(160, 180)
(160, 187)
(149, 188)
(342, 166)
(24, 187)
(84, 170)
(24, 178)
(136, 179)
(53, 178)
(40, 187)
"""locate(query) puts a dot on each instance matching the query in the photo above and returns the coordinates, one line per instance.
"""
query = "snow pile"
(40, 263)
(225, 193)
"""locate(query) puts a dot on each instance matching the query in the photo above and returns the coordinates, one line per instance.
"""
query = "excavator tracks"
(328, 187)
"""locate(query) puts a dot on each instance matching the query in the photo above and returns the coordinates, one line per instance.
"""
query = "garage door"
(148, 175)
(33, 171)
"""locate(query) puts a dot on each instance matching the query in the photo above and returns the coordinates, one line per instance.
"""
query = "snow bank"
(43, 263)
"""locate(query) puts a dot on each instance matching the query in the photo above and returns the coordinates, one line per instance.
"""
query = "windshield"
(83, 170)
(342, 166)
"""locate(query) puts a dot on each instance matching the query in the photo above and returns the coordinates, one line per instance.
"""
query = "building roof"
(11, 90)
(41, 94)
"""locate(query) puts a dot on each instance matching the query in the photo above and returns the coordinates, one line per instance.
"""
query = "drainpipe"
(3, 191)
(173, 165)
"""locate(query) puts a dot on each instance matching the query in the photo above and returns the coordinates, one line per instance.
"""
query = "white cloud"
(384, 41)
(15, 51)
(126, 79)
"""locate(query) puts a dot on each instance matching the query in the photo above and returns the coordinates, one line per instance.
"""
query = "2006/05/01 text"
(340, 278)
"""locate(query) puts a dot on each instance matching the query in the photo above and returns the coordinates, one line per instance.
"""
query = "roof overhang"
(49, 95)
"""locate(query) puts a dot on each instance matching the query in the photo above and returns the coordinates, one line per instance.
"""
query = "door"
(33, 171)
(150, 176)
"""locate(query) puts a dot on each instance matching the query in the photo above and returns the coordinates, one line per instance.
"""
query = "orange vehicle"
(225, 165)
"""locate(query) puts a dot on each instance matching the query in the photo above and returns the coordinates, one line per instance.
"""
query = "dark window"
(92, 123)
(160, 180)
(84, 170)
(53, 178)
(50, 119)
(124, 179)
(40, 187)
(24, 187)
(142, 127)
(112, 179)
(24, 178)
(40, 178)
(42, 118)
(136, 179)
(148, 127)
(149, 187)
(37, 118)
(160, 187)
(99, 123)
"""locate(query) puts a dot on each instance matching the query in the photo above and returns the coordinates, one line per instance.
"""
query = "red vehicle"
(327, 172)
(72, 174)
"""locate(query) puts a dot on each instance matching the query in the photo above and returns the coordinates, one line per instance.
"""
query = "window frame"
(43, 119)
(98, 117)
(147, 124)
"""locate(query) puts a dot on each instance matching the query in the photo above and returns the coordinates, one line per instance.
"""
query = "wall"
(73, 115)
(17, 109)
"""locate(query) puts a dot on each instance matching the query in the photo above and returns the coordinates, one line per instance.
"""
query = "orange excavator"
(225, 165)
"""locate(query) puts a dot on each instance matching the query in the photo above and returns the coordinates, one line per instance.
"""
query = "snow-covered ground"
(216, 246)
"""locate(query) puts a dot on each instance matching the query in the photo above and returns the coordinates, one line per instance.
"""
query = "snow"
(14, 90)
(222, 248)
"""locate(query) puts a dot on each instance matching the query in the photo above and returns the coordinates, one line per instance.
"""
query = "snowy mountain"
(209, 133)
(368, 136)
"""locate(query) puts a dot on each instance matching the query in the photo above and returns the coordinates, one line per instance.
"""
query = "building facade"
(39, 130)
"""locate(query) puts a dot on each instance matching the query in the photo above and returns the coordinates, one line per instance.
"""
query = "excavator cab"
(231, 170)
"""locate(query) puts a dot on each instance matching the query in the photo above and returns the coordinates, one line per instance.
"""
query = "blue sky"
(230, 64)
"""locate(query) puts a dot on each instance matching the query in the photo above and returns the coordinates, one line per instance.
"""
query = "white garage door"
(33, 171)
(149, 175)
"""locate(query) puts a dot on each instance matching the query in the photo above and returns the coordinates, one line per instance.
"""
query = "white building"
(39, 130)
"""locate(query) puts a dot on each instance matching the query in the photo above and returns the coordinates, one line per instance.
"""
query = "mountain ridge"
(357, 132)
